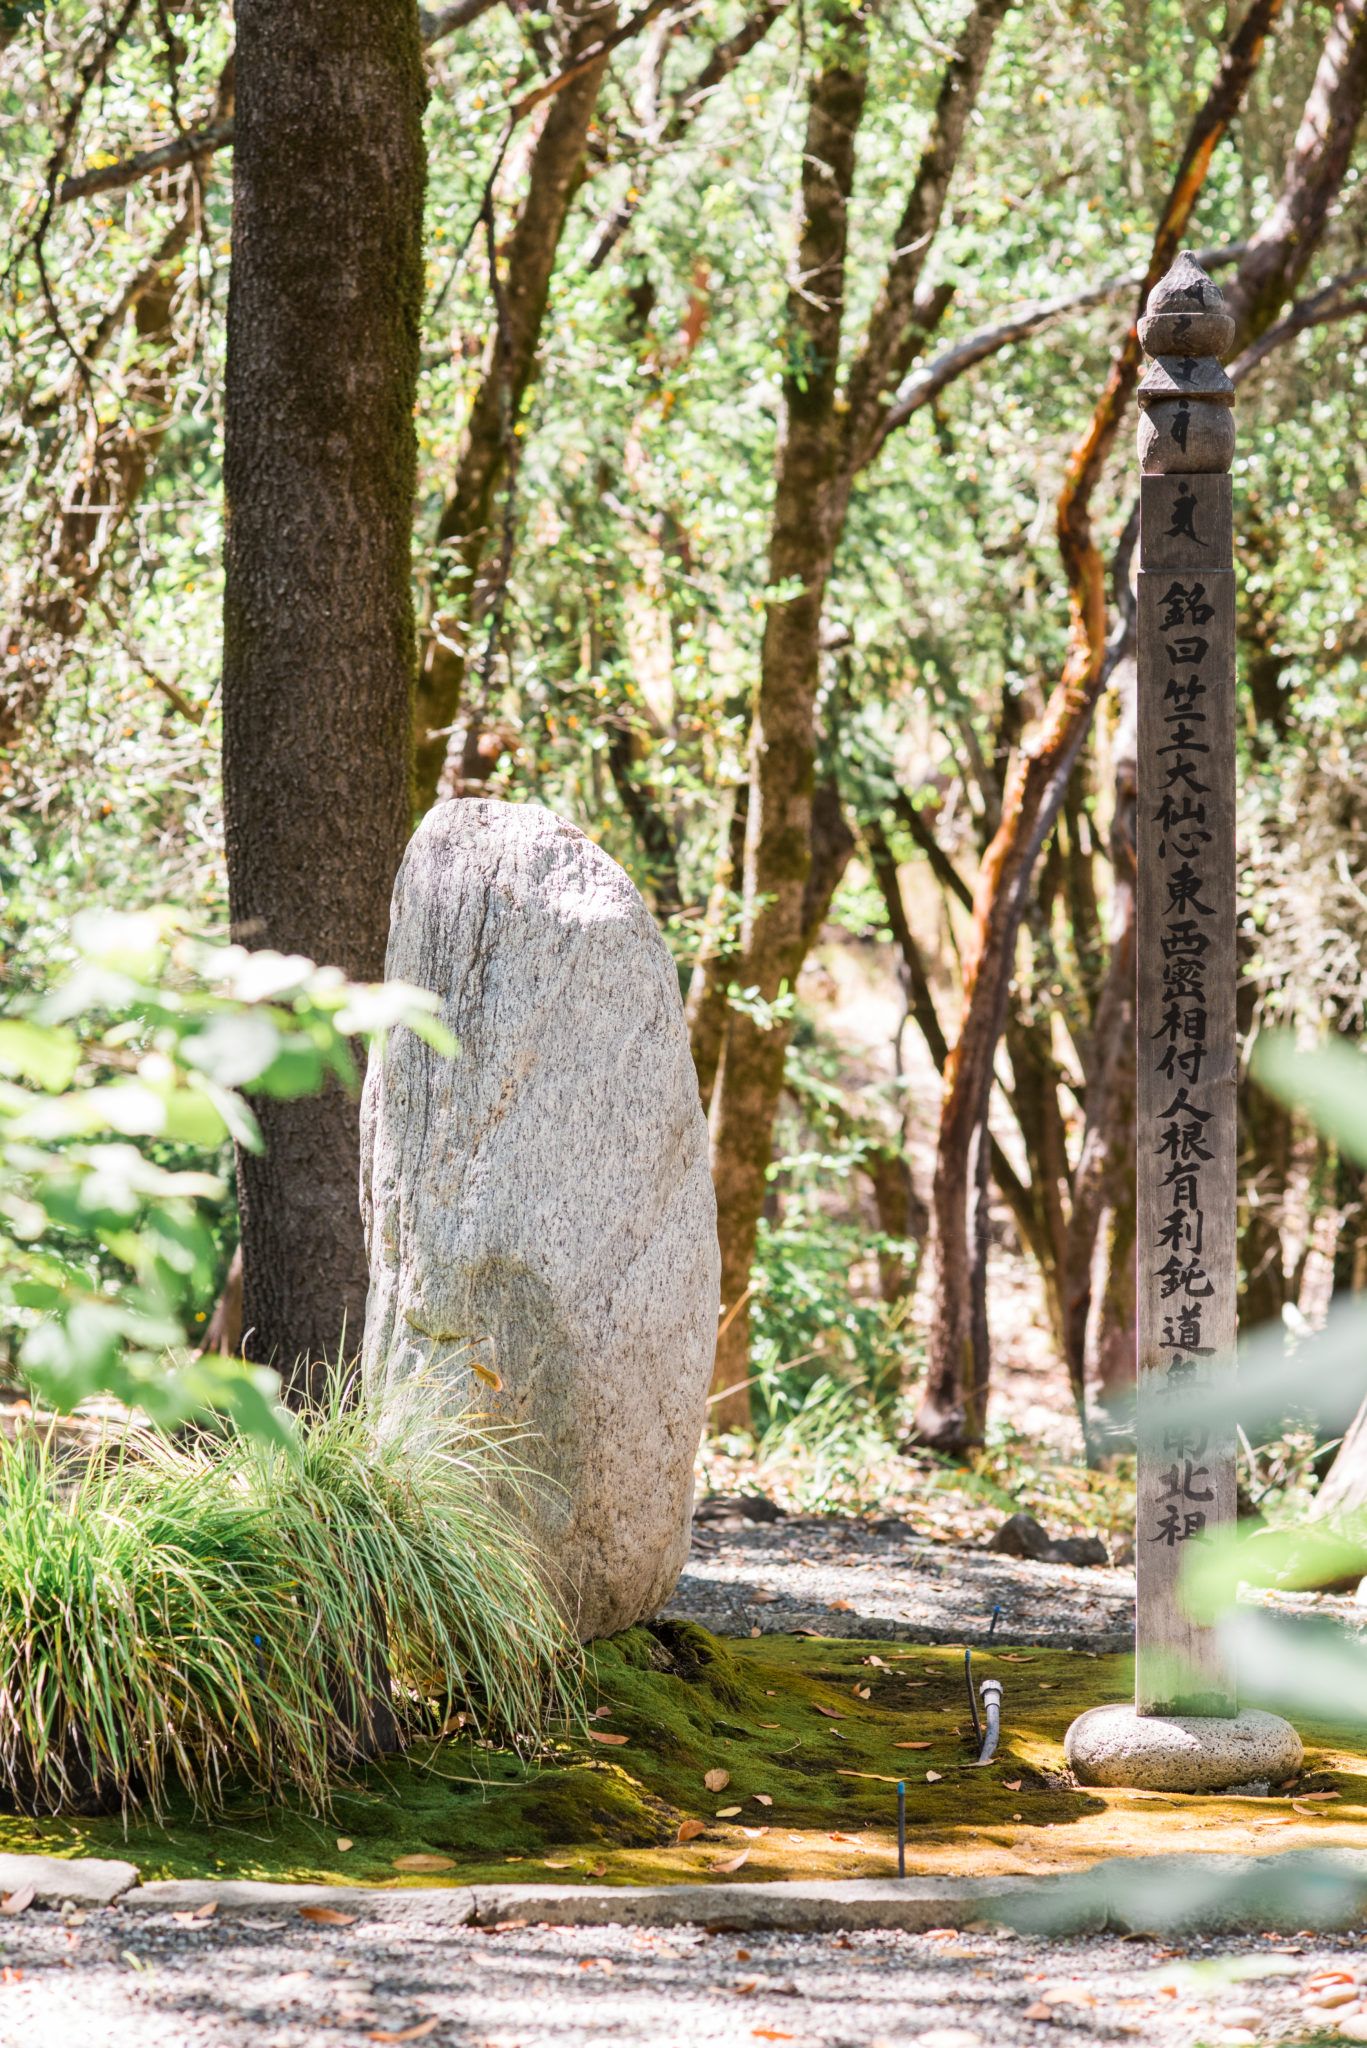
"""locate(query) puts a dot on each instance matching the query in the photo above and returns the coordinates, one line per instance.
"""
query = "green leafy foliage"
(155, 1037)
(217, 1613)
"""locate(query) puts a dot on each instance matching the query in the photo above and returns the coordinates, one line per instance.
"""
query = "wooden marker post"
(1185, 1731)
(1188, 1057)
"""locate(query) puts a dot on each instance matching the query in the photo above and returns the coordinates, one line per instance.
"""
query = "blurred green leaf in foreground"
(155, 1035)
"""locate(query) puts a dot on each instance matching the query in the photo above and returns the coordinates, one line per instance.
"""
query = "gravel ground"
(257, 1981)
(843, 1577)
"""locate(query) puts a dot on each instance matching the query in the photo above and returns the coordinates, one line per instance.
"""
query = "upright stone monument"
(539, 1210)
(1184, 1731)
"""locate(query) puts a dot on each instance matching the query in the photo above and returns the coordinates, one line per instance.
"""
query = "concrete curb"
(737, 1618)
(1189, 1894)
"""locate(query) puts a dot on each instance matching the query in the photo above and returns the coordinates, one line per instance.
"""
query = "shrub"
(210, 1611)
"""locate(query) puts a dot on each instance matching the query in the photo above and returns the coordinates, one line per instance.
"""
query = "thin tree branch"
(927, 383)
(1316, 311)
(688, 103)
(130, 170)
(435, 22)
(189, 148)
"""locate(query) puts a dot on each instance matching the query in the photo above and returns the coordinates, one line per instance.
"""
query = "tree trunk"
(821, 451)
(1034, 793)
(707, 1007)
(778, 855)
(1099, 1330)
(1279, 254)
(324, 308)
(464, 531)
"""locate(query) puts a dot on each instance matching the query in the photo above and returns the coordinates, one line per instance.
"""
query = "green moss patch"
(811, 1766)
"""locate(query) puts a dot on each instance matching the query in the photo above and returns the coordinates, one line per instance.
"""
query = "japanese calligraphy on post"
(1187, 1143)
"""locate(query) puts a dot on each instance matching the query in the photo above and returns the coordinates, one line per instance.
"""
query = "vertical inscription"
(1187, 1141)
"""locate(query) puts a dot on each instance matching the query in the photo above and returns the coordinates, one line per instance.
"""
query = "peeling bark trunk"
(1034, 793)
(324, 311)
(464, 530)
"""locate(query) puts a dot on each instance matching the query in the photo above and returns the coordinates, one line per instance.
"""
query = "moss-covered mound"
(812, 1734)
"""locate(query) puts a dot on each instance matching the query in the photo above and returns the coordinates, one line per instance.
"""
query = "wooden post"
(1187, 1137)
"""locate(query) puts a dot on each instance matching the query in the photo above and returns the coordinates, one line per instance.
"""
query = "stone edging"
(1213, 1894)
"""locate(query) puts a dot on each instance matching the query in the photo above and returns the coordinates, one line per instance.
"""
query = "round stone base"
(1180, 1752)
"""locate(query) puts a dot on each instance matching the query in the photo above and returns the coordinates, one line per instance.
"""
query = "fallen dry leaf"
(600, 1713)
(11, 1976)
(861, 1692)
(753, 1834)
(599, 1870)
(829, 1712)
(717, 1781)
(874, 1660)
(326, 1916)
(408, 2034)
(1038, 2011)
(762, 1798)
(195, 1918)
(848, 1838)
(727, 1812)
(344, 1842)
(1320, 1795)
(934, 1777)
(1012, 1784)
(424, 1861)
(18, 1901)
(746, 1985)
(771, 2034)
(771, 1724)
(546, 1864)
(839, 1607)
(763, 1596)
(597, 1963)
(688, 1829)
(913, 1745)
(1048, 1685)
(601, 1735)
(731, 1863)
(1308, 1811)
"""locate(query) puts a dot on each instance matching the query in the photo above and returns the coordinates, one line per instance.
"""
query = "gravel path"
(842, 1577)
(120, 1978)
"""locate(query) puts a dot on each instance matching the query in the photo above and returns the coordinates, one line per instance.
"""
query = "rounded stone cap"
(1180, 1752)
(1185, 314)
(1177, 438)
(1187, 334)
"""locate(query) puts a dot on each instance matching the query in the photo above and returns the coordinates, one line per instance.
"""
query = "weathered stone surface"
(539, 1210)
(1177, 437)
(1181, 1753)
(67, 1880)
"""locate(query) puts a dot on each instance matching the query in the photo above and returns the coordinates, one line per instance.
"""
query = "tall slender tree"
(324, 309)
(832, 428)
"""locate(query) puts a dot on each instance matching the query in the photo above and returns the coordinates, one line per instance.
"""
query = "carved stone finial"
(1185, 424)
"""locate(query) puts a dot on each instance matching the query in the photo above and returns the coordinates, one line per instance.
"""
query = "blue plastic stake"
(992, 1625)
(901, 1827)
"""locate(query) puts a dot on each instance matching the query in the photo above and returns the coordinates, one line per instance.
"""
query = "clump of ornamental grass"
(210, 1613)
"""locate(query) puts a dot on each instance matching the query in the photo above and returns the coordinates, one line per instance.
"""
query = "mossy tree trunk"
(324, 307)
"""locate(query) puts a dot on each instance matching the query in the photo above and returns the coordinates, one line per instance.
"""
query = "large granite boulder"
(539, 1211)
